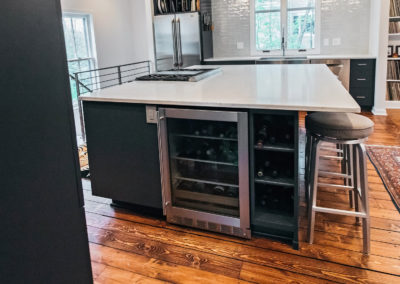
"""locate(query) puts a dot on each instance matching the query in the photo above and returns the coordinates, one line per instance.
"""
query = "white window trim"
(90, 36)
(279, 52)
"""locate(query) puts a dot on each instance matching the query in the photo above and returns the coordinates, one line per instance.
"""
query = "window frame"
(284, 28)
(90, 44)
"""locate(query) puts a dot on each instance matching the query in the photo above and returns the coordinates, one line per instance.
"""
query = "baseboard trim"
(379, 111)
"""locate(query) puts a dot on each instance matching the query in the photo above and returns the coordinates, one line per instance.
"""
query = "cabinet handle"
(360, 97)
(362, 64)
(361, 79)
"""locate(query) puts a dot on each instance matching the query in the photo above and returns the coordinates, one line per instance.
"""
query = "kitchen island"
(220, 154)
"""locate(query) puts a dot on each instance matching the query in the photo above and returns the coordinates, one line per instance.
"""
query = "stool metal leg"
(307, 166)
(315, 155)
(364, 195)
(356, 180)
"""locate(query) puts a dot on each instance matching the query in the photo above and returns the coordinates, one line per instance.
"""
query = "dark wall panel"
(43, 237)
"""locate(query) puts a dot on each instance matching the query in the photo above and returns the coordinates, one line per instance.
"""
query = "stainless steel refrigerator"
(177, 40)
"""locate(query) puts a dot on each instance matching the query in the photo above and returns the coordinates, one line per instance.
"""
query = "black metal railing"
(96, 79)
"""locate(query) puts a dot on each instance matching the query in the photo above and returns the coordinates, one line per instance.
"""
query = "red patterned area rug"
(386, 160)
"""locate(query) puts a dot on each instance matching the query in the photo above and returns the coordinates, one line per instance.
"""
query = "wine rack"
(274, 174)
(205, 169)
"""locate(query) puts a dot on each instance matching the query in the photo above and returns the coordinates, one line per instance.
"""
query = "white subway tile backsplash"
(347, 20)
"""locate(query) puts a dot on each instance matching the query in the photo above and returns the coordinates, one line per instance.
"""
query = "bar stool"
(348, 132)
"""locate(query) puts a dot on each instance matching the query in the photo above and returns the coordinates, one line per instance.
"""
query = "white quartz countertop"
(319, 56)
(282, 87)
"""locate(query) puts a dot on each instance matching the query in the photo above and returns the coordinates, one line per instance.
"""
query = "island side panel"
(123, 153)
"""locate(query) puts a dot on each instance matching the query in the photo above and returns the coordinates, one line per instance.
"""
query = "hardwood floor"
(128, 248)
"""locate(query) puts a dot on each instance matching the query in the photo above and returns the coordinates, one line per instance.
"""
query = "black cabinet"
(362, 81)
(123, 153)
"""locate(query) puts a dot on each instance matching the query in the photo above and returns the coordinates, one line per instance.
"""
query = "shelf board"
(393, 58)
(392, 80)
(393, 104)
(394, 34)
(271, 220)
(204, 161)
(204, 137)
(394, 18)
(208, 198)
(207, 181)
(275, 181)
(275, 147)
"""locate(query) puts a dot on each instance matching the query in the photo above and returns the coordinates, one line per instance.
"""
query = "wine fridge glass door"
(205, 166)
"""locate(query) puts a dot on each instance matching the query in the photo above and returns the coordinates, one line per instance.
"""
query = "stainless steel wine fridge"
(204, 158)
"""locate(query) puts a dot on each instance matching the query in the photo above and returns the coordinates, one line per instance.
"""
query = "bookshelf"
(393, 63)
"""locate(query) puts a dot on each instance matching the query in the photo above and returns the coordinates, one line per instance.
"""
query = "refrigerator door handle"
(174, 42)
(179, 43)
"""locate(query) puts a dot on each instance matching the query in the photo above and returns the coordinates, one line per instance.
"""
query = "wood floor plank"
(258, 274)
(154, 268)
(270, 258)
(112, 275)
(318, 252)
(169, 253)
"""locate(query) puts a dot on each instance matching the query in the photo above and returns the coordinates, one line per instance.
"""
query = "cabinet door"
(123, 153)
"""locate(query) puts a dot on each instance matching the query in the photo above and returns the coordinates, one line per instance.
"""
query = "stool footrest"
(333, 174)
(338, 186)
(339, 212)
(331, 157)
(331, 149)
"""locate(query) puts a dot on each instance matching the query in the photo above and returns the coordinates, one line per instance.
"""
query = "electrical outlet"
(326, 42)
(240, 45)
(336, 41)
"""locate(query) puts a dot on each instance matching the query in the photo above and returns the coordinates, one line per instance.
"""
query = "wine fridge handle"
(160, 155)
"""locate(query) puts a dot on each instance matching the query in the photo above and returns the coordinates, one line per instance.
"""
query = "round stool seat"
(342, 126)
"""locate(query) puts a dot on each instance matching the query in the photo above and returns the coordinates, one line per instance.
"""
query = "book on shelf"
(393, 91)
(394, 27)
(393, 70)
(394, 8)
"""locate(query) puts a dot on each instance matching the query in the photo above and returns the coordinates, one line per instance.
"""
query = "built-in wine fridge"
(204, 162)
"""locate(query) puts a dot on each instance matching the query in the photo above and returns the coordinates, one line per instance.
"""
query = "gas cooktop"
(188, 75)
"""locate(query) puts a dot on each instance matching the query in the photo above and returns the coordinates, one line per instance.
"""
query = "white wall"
(120, 33)
(345, 19)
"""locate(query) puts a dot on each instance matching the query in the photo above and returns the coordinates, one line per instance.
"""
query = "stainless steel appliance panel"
(189, 40)
(165, 41)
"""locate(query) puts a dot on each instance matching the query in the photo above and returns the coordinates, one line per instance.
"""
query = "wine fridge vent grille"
(230, 230)
(226, 229)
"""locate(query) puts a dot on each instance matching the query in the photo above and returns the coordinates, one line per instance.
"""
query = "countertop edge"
(222, 105)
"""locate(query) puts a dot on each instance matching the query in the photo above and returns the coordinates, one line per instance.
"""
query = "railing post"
(119, 75)
(78, 93)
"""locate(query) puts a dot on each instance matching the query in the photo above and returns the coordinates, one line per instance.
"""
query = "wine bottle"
(232, 192)
(260, 172)
(267, 163)
(231, 132)
(260, 143)
(272, 140)
(219, 190)
(275, 173)
(211, 154)
(264, 200)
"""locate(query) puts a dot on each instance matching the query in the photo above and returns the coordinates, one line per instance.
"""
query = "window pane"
(262, 5)
(301, 29)
(72, 68)
(69, 38)
(80, 37)
(268, 31)
(301, 4)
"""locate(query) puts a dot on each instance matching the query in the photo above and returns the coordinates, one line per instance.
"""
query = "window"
(285, 25)
(79, 43)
